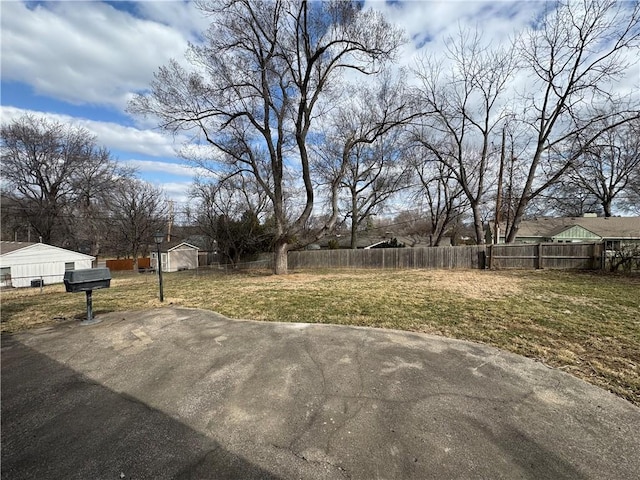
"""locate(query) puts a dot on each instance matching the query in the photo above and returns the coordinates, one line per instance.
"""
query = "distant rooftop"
(7, 247)
(605, 227)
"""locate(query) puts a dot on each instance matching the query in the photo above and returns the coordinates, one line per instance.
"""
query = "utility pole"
(170, 221)
(498, 214)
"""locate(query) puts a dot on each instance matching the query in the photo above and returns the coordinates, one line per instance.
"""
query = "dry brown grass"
(587, 324)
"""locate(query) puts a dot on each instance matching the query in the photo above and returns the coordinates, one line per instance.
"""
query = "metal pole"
(89, 305)
(160, 273)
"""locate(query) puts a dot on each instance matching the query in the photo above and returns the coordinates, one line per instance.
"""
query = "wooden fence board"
(124, 264)
(469, 256)
(584, 256)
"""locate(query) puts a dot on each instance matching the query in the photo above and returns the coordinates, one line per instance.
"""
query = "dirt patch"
(474, 284)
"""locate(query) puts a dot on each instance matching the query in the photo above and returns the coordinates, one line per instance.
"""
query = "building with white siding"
(176, 256)
(22, 263)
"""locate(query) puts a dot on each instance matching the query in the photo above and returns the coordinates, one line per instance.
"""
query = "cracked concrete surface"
(181, 393)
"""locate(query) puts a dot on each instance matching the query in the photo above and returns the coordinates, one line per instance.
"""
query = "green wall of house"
(576, 234)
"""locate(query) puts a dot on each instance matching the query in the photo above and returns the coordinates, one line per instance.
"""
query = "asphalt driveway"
(182, 393)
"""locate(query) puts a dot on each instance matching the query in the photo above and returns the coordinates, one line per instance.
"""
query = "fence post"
(601, 252)
(538, 262)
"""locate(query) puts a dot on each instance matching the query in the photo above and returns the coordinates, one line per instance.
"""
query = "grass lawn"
(585, 323)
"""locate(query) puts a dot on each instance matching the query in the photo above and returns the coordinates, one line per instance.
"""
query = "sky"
(81, 62)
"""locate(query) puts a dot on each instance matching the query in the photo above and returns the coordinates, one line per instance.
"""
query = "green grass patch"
(587, 324)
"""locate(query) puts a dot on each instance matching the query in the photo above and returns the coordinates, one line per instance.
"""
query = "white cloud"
(177, 191)
(111, 135)
(183, 16)
(427, 23)
(177, 169)
(84, 52)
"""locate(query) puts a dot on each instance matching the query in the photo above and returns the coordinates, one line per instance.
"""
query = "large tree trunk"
(477, 223)
(517, 216)
(281, 263)
(135, 259)
(354, 220)
(354, 236)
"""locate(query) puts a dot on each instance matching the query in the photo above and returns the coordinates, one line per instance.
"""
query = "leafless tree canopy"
(464, 104)
(438, 193)
(560, 132)
(137, 210)
(232, 214)
(610, 166)
(489, 131)
(257, 87)
(57, 180)
(577, 54)
(362, 158)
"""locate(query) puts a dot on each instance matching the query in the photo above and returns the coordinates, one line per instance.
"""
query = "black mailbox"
(87, 279)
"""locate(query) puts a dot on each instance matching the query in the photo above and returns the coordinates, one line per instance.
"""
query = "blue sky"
(82, 61)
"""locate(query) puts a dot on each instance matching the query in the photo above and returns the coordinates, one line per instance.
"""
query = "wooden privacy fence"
(584, 256)
(581, 256)
(127, 264)
(467, 256)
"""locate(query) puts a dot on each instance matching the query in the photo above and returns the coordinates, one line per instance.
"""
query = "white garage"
(22, 263)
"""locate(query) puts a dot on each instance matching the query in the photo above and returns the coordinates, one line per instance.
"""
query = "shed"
(176, 256)
(22, 263)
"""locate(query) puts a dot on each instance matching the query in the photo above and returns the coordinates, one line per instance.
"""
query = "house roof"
(185, 244)
(8, 247)
(169, 246)
(344, 240)
(605, 227)
(369, 241)
(559, 230)
(11, 250)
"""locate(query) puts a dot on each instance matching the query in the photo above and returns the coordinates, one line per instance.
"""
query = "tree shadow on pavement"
(57, 423)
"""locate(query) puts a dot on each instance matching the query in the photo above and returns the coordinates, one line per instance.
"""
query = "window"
(5, 273)
(69, 266)
(612, 245)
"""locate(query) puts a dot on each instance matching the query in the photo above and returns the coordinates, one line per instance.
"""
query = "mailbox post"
(87, 280)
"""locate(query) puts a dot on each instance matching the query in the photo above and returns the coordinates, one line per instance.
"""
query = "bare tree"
(632, 199)
(607, 171)
(464, 107)
(565, 199)
(608, 165)
(257, 85)
(229, 214)
(55, 173)
(574, 54)
(137, 211)
(14, 227)
(373, 175)
(441, 194)
(87, 221)
(363, 154)
(411, 225)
